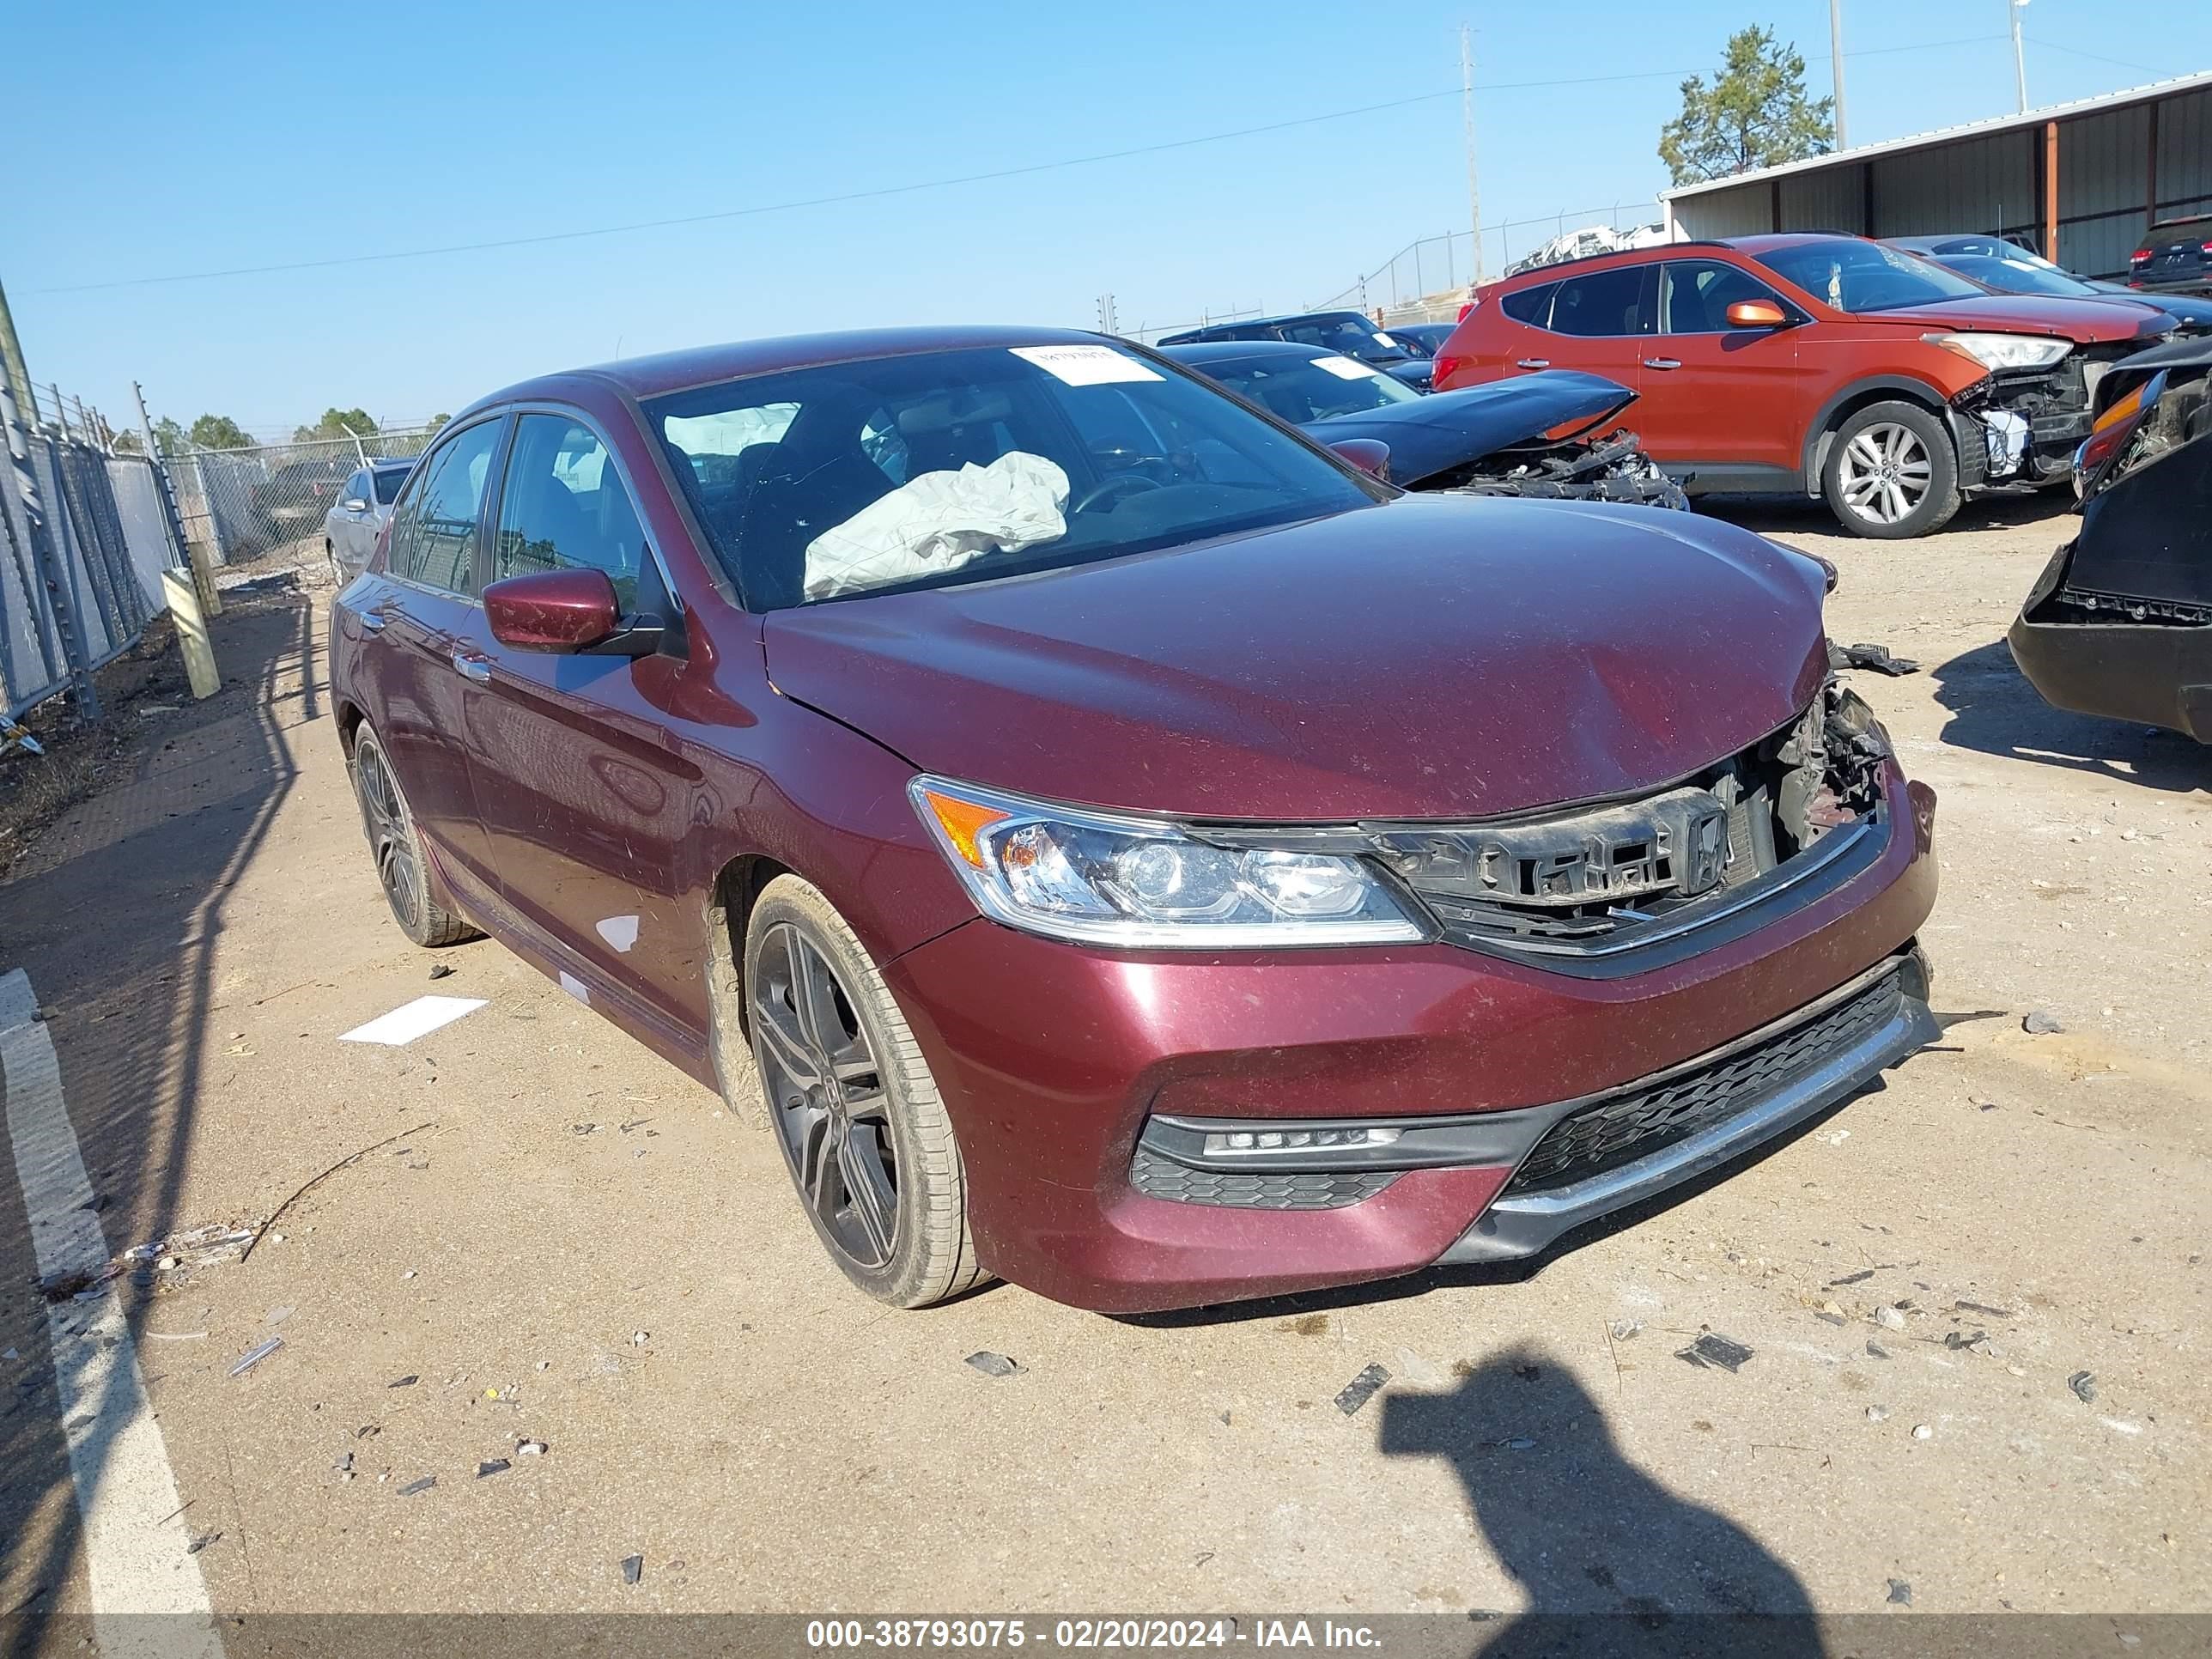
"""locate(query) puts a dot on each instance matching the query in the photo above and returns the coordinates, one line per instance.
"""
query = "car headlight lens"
(2004, 350)
(1105, 879)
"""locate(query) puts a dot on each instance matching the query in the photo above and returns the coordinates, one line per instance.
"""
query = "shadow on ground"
(1609, 1559)
(1996, 711)
(114, 915)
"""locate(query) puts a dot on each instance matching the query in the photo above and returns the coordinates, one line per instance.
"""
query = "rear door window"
(1605, 302)
(433, 533)
(563, 508)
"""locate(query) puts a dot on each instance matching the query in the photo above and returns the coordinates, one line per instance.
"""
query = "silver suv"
(350, 528)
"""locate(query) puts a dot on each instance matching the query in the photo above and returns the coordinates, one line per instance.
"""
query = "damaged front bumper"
(2023, 425)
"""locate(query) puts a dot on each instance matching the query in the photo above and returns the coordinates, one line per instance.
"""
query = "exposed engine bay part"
(1621, 886)
(2120, 623)
(2021, 425)
(1874, 657)
(1612, 469)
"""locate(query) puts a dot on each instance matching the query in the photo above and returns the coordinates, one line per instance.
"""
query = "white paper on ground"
(1347, 369)
(940, 521)
(412, 1019)
(1087, 365)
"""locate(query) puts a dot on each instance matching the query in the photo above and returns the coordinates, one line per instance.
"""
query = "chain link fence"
(1426, 280)
(239, 504)
(82, 546)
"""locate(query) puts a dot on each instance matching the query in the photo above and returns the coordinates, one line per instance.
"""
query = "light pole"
(1836, 57)
(1467, 123)
(2019, 59)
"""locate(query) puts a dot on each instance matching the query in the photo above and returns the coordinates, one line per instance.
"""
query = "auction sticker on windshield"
(1085, 365)
(1347, 369)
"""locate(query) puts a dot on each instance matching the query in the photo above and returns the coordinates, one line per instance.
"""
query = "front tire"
(852, 1103)
(410, 888)
(1891, 473)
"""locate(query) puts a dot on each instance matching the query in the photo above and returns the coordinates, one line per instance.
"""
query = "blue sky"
(150, 141)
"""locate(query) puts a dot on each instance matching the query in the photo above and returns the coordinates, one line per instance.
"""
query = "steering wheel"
(1119, 484)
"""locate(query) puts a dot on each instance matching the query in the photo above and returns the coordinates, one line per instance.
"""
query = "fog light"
(1230, 1142)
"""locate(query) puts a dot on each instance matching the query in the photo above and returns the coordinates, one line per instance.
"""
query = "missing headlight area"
(2030, 419)
(1610, 469)
(1605, 878)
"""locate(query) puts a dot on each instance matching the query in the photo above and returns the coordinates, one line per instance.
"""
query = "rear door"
(1713, 394)
(1601, 323)
(585, 800)
(428, 634)
(353, 527)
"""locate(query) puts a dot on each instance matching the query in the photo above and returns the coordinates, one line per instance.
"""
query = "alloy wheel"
(1885, 472)
(389, 837)
(827, 1097)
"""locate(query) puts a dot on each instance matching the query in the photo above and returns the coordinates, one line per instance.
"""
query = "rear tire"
(851, 1102)
(1891, 472)
(411, 886)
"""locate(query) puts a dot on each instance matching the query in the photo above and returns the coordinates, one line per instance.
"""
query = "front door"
(1716, 397)
(425, 617)
(585, 800)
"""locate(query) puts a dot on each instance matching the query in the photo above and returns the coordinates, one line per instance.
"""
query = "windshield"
(1859, 276)
(1301, 389)
(2018, 277)
(960, 466)
(1346, 331)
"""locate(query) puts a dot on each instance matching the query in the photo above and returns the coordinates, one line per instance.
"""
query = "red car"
(1825, 365)
(1137, 853)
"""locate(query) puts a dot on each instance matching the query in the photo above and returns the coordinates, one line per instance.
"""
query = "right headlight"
(1108, 878)
(1994, 351)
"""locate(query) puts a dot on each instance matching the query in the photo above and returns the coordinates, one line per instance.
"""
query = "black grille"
(1253, 1189)
(1632, 1126)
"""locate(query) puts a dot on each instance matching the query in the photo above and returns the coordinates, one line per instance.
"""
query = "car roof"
(674, 371)
(1219, 351)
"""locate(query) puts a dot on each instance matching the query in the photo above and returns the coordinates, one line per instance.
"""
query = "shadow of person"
(1610, 1560)
(1995, 710)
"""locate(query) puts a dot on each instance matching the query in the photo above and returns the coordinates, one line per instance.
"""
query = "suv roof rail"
(1615, 253)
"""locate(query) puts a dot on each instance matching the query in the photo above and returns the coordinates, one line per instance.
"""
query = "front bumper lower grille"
(1255, 1190)
(1631, 1126)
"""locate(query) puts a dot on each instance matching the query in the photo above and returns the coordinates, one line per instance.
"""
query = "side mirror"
(553, 611)
(1756, 313)
(1370, 455)
(353, 504)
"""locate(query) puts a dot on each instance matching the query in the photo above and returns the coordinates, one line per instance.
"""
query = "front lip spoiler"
(1522, 1225)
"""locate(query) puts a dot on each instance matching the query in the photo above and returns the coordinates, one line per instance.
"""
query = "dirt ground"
(557, 1239)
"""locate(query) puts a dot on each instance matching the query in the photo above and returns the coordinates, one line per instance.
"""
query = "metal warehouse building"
(2081, 183)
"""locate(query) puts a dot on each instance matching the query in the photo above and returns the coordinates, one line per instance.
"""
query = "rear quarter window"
(1532, 305)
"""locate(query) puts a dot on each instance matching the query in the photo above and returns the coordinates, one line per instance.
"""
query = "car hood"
(2084, 321)
(1450, 429)
(1426, 657)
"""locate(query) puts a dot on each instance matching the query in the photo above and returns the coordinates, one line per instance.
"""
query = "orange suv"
(1827, 366)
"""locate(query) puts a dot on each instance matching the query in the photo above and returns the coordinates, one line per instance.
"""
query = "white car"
(350, 528)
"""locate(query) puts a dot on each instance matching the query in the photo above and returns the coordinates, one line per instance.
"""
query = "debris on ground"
(995, 1364)
(493, 1466)
(1955, 1341)
(2041, 1022)
(1858, 1277)
(344, 1465)
(199, 1541)
(632, 1569)
(1877, 1413)
(413, 1486)
(1875, 657)
(1889, 1318)
(441, 971)
(309, 1185)
(530, 1448)
(1621, 1329)
(1716, 1352)
(2084, 1384)
(1518, 1443)
(1922, 1432)
(639, 1339)
(254, 1355)
(1900, 1593)
(406, 1381)
(1361, 1389)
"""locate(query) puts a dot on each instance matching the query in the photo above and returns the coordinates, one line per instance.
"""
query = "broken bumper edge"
(2149, 673)
(1519, 1224)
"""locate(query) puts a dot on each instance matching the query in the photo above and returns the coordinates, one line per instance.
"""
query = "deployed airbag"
(940, 521)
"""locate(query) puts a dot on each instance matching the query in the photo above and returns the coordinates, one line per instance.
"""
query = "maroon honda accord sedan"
(1113, 842)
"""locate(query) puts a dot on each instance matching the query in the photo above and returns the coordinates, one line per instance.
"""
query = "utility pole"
(1467, 122)
(1836, 57)
(1108, 323)
(12, 371)
(2018, 60)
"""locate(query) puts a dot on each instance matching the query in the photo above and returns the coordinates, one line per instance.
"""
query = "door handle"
(373, 622)
(472, 668)
(1534, 362)
(1662, 362)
